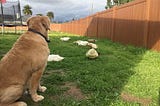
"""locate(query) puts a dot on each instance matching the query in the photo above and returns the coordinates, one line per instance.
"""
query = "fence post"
(146, 28)
(86, 26)
(113, 23)
(59, 27)
(88, 22)
(97, 21)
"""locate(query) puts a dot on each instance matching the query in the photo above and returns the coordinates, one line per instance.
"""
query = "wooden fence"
(13, 29)
(136, 23)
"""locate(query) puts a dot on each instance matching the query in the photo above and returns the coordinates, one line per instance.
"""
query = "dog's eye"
(44, 25)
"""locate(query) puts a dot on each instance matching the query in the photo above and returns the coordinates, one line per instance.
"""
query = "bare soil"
(73, 91)
(131, 98)
(50, 72)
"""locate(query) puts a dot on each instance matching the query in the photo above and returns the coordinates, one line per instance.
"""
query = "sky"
(65, 9)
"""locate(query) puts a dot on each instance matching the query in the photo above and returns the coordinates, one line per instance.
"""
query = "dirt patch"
(50, 72)
(131, 98)
(2, 55)
(55, 97)
(73, 91)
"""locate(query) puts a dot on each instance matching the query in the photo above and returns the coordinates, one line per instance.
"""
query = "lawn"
(120, 76)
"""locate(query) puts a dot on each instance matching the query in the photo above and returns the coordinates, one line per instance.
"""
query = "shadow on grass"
(102, 80)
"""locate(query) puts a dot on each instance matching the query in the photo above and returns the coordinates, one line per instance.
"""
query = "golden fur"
(23, 66)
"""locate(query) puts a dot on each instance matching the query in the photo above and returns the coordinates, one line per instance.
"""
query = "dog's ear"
(45, 22)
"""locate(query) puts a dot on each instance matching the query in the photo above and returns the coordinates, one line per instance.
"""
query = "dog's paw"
(42, 89)
(37, 98)
(21, 104)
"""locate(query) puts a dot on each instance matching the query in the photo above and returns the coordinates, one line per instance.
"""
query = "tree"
(50, 14)
(119, 2)
(39, 14)
(116, 2)
(27, 10)
(109, 5)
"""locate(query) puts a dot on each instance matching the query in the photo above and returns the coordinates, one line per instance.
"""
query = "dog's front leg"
(34, 85)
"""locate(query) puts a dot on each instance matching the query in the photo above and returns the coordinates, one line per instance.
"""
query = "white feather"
(53, 57)
(81, 43)
(65, 38)
(92, 45)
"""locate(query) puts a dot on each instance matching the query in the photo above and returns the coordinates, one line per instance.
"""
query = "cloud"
(65, 9)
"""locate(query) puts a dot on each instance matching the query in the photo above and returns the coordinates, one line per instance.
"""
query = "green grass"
(118, 69)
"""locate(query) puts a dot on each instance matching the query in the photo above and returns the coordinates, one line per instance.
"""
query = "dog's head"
(40, 24)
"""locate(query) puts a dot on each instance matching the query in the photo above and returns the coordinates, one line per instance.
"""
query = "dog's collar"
(32, 30)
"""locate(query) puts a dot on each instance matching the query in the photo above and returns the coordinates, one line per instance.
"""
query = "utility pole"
(15, 19)
(2, 17)
(19, 8)
(91, 7)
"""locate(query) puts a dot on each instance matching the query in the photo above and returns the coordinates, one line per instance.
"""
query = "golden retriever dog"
(23, 66)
